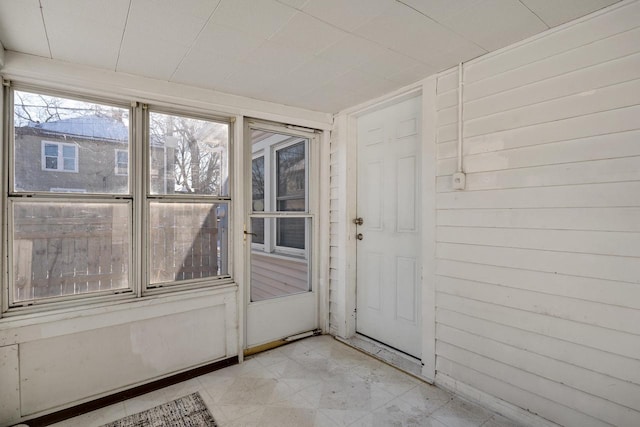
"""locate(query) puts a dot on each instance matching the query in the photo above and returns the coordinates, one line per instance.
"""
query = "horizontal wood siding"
(538, 259)
(274, 276)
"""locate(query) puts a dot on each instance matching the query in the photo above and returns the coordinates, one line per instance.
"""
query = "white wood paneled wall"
(538, 260)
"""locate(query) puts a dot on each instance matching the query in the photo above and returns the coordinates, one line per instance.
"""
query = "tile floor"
(318, 381)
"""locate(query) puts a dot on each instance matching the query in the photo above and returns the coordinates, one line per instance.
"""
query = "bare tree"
(196, 154)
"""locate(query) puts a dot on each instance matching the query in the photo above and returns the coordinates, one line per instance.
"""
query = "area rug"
(188, 411)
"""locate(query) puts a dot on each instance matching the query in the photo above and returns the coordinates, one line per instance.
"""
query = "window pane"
(68, 152)
(290, 232)
(257, 184)
(68, 249)
(280, 274)
(69, 164)
(187, 241)
(89, 132)
(291, 170)
(51, 163)
(188, 156)
(51, 150)
(257, 228)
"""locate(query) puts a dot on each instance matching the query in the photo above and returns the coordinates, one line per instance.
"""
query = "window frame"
(117, 163)
(164, 287)
(10, 307)
(136, 197)
(270, 246)
(60, 157)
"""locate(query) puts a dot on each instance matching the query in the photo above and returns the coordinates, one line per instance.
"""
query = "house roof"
(90, 127)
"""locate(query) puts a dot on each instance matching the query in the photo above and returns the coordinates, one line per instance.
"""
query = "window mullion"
(137, 151)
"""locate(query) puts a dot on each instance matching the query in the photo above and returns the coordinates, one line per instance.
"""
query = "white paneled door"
(388, 239)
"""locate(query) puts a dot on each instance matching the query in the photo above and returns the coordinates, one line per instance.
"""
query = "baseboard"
(493, 403)
(121, 396)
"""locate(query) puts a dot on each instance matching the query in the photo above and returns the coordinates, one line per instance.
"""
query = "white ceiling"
(322, 55)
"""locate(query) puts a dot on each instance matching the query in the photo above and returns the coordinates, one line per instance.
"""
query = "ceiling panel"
(440, 10)
(157, 20)
(159, 35)
(387, 63)
(346, 14)
(298, 4)
(362, 83)
(324, 55)
(351, 51)
(259, 18)
(204, 69)
(305, 78)
(21, 27)
(219, 39)
(407, 31)
(275, 59)
(485, 23)
(308, 34)
(329, 97)
(99, 25)
(154, 59)
(413, 74)
(554, 12)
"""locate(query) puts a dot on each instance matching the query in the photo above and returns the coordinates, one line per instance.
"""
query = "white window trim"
(118, 150)
(147, 198)
(60, 157)
(137, 198)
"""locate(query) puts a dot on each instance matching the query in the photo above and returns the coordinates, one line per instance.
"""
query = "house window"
(57, 156)
(122, 162)
(74, 237)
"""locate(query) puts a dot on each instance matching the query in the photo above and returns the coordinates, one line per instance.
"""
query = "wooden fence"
(62, 249)
(65, 249)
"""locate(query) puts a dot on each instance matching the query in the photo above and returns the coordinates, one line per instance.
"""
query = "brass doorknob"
(358, 221)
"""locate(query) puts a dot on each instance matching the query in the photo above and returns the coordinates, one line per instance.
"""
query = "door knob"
(358, 221)
(359, 236)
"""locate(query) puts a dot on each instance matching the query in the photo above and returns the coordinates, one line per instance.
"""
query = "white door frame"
(347, 123)
(320, 256)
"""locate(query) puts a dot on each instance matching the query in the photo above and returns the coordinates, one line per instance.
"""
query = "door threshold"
(277, 343)
(386, 354)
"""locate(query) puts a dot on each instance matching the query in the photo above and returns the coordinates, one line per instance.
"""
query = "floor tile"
(315, 382)
(95, 418)
(461, 413)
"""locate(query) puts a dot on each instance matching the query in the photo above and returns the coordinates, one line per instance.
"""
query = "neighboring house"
(80, 154)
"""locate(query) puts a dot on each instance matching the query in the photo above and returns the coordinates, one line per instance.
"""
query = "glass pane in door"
(280, 251)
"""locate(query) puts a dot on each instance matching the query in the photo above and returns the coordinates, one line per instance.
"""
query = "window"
(291, 194)
(59, 157)
(283, 159)
(122, 162)
(62, 243)
(188, 199)
(72, 236)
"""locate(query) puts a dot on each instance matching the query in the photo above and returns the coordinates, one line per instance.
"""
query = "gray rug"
(188, 411)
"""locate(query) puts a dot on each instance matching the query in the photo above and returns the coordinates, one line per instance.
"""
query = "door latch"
(359, 236)
(358, 221)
